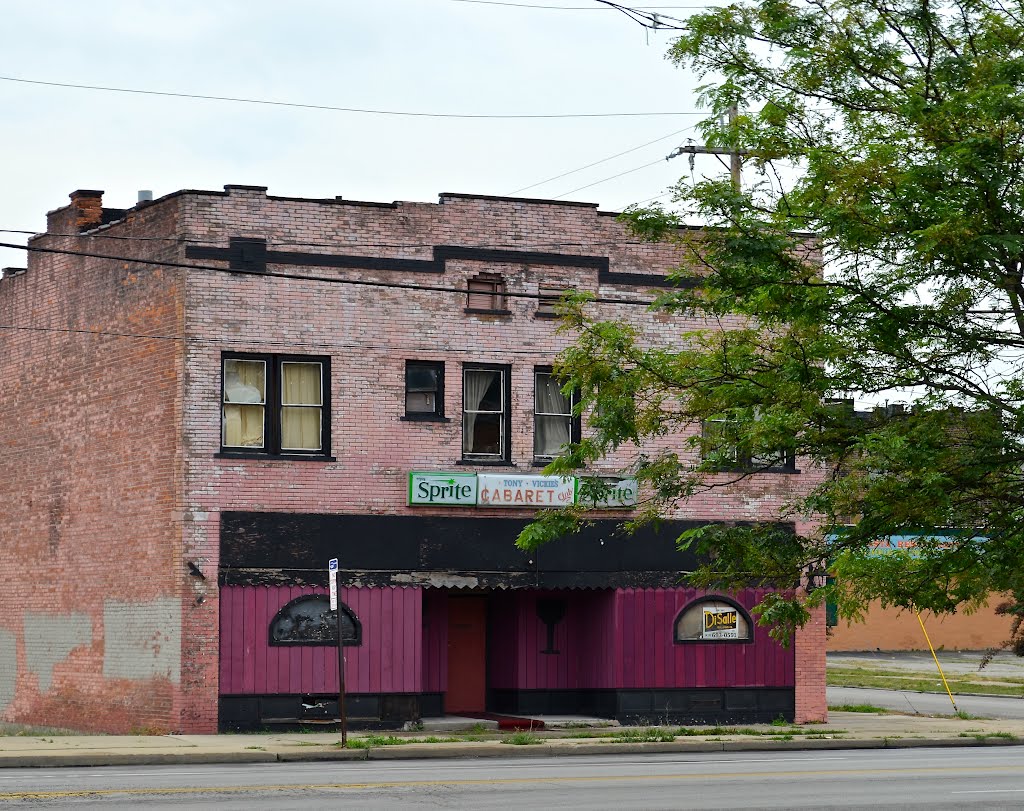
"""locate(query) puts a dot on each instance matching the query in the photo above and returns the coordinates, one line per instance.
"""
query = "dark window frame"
(547, 300)
(355, 640)
(272, 408)
(575, 423)
(497, 294)
(505, 457)
(743, 460)
(437, 415)
(712, 598)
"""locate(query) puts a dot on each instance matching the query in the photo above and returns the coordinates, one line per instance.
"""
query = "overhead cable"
(333, 108)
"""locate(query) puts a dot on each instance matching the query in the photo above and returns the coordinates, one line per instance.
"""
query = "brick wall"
(89, 483)
(129, 505)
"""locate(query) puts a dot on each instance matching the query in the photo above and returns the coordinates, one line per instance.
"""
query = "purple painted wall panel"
(502, 640)
(388, 661)
(517, 639)
(649, 657)
(435, 641)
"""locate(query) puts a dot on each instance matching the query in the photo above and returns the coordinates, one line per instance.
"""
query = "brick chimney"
(87, 205)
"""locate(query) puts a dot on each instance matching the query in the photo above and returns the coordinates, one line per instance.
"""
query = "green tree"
(876, 249)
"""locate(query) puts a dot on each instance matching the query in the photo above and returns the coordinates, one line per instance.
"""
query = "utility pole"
(735, 155)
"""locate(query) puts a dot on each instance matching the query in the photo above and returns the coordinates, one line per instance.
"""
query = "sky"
(466, 57)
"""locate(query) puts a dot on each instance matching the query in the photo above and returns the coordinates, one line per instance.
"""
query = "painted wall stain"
(142, 640)
(49, 638)
(8, 668)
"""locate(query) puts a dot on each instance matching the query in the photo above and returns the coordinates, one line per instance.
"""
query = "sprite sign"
(443, 488)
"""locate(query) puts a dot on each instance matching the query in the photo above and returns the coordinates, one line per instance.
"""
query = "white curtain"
(244, 399)
(301, 401)
(553, 417)
(475, 384)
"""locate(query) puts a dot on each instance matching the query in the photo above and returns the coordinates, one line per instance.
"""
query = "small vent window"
(309, 621)
(486, 291)
(547, 301)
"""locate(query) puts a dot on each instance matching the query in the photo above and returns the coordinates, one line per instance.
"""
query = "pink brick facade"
(116, 467)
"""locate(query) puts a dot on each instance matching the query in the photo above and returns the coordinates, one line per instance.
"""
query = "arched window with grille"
(308, 620)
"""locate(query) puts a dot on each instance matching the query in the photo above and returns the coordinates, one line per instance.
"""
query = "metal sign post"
(332, 573)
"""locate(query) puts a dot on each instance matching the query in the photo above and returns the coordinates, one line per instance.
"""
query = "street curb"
(471, 751)
(61, 759)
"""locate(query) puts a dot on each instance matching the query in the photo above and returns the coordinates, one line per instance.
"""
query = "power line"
(573, 8)
(605, 180)
(336, 244)
(603, 160)
(235, 340)
(332, 108)
(299, 277)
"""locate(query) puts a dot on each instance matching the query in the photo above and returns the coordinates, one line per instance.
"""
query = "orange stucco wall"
(896, 629)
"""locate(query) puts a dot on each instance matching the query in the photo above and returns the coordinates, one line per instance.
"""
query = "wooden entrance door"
(467, 655)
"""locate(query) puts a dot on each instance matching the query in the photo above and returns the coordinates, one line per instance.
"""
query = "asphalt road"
(929, 703)
(987, 777)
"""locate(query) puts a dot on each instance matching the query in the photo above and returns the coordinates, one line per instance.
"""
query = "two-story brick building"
(208, 396)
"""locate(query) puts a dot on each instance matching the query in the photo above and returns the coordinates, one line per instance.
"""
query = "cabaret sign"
(496, 490)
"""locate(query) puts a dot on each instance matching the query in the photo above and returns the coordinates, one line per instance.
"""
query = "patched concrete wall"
(8, 668)
(49, 638)
(142, 640)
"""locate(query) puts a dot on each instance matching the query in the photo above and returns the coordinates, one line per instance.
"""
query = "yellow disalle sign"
(721, 623)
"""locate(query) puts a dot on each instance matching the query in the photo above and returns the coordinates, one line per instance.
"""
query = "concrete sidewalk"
(843, 731)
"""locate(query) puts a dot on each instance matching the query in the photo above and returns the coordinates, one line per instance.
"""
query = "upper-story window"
(554, 425)
(424, 390)
(485, 413)
(486, 293)
(721, 443)
(275, 404)
(547, 301)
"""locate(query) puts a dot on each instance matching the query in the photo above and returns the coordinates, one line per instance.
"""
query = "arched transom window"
(713, 619)
(308, 620)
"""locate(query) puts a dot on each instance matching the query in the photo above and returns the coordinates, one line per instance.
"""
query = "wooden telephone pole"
(735, 155)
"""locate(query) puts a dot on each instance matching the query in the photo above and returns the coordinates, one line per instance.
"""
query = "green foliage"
(638, 735)
(377, 740)
(522, 739)
(876, 248)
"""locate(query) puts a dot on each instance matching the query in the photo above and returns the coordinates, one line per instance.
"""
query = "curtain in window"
(301, 406)
(476, 383)
(244, 398)
(552, 417)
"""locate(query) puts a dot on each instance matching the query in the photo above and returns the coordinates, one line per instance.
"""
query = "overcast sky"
(421, 56)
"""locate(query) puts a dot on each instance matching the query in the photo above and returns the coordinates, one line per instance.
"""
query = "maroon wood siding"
(623, 639)
(582, 639)
(435, 641)
(649, 658)
(388, 661)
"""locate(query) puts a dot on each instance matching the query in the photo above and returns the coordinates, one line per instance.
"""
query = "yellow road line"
(387, 784)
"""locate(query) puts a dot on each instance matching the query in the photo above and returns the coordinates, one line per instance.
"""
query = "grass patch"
(435, 739)
(589, 735)
(867, 708)
(688, 732)
(376, 740)
(522, 739)
(649, 735)
(963, 683)
(980, 736)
